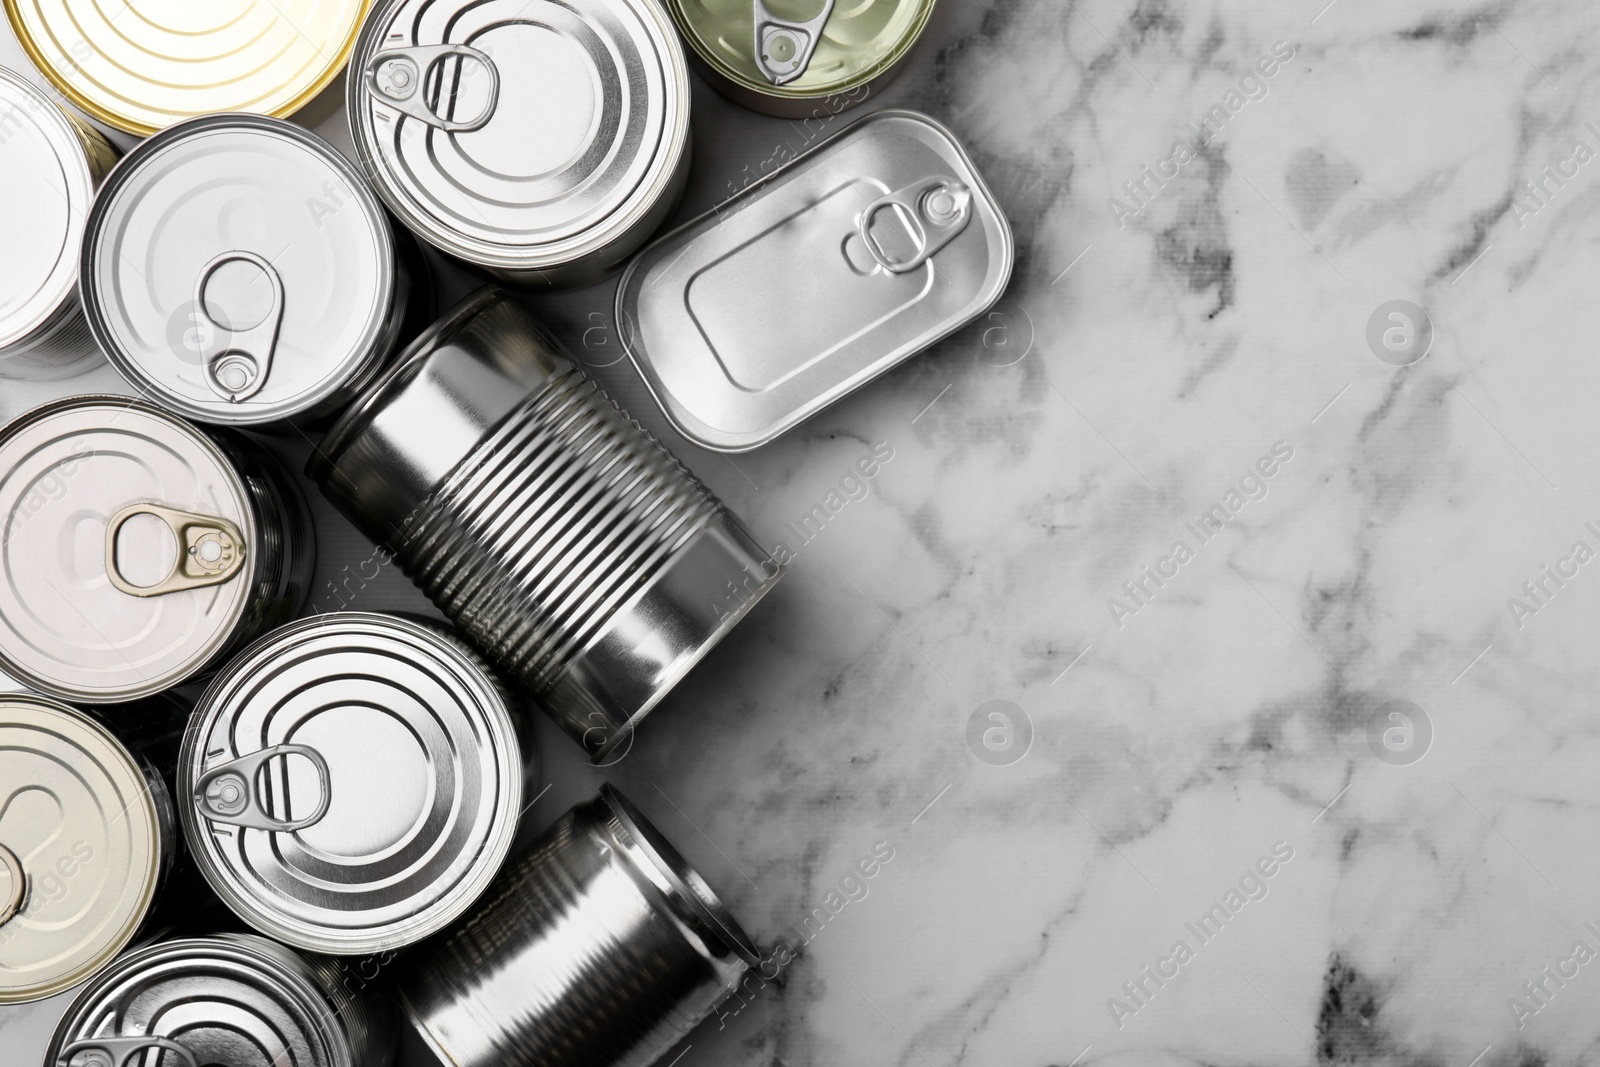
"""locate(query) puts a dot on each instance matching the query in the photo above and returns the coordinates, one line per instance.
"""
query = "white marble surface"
(1177, 747)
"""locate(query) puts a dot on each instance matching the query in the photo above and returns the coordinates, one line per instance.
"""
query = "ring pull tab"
(227, 793)
(784, 48)
(237, 362)
(19, 885)
(121, 1051)
(210, 550)
(931, 211)
(395, 77)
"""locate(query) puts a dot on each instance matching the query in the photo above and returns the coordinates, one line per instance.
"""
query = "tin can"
(543, 140)
(238, 270)
(599, 947)
(137, 550)
(180, 58)
(50, 166)
(574, 551)
(232, 999)
(889, 232)
(351, 782)
(86, 836)
(800, 58)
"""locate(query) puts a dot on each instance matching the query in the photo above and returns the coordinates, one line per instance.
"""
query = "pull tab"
(121, 1051)
(19, 885)
(784, 48)
(395, 77)
(227, 793)
(210, 550)
(237, 362)
(934, 210)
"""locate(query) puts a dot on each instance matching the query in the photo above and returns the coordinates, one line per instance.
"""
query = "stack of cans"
(221, 818)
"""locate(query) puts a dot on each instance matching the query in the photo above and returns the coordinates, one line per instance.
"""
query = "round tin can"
(135, 550)
(237, 269)
(600, 947)
(232, 999)
(86, 835)
(800, 58)
(574, 550)
(174, 59)
(543, 140)
(351, 782)
(50, 165)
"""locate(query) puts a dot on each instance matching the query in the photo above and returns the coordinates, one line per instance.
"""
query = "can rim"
(95, 236)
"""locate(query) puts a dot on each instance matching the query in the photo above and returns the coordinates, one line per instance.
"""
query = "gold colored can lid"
(142, 70)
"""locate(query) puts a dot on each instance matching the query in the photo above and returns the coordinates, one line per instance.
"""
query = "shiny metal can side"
(800, 59)
(233, 999)
(889, 231)
(351, 782)
(87, 835)
(599, 947)
(137, 551)
(575, 551)
(238, 270)
(542, 140)
(50, 165)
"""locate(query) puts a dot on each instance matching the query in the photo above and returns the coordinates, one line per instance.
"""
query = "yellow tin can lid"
(142, 68)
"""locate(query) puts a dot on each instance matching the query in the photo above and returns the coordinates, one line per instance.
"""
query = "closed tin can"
(174, 59)
(543, 140)
(137, 550)
(351, 782)
(599, 947)
(237, 269)
(232, 999)
(800, 58)
(584, 560)
(86, 836)
(50, 166)
(887, 230)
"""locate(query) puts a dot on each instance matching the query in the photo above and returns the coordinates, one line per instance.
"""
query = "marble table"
(1208, 670)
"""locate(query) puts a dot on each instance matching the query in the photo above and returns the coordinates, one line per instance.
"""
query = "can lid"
(179, 58)
(237, 269)
(232, 998)
(80, 847)
(519, 133)
(42, 165)
(127, 543)
(351, 783)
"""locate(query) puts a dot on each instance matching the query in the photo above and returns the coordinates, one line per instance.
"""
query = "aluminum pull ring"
(934, 211)
(120, 1051)
(211, 550)
(19, 885)
(227, 793)
(394, 77)
(237, 362)
(784, 48)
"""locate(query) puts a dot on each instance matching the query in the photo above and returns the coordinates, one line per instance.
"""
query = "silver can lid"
(81, 847)
(860, 253)
(519, 134)
(351, 783)
(238, 270)
(46, 187)
(127, 542)
(230, 999)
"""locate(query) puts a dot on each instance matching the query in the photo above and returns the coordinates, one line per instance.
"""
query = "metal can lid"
(232, 998)
(47, 186)
(178, 58)
(351, 783)
(519, 134)
(238, 269)
(80, 847)
(127, 544)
